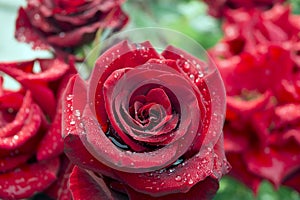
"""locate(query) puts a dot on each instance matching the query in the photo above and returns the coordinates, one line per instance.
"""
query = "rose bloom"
(219, 8)
(258, 59)
(65, 24)
(30, 126)
(146, 125)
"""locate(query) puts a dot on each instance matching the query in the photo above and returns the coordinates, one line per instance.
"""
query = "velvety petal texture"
(145, 126)
(219, 8)
(65, 25)
(258, 61)
(30, 125)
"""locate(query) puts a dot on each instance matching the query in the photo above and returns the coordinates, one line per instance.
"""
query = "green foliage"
(295, 6)
(232, 189)
(188, 17)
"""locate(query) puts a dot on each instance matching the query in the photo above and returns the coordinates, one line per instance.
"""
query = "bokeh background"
(186, 16)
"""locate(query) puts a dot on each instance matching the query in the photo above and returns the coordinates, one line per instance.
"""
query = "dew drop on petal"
(178, 178)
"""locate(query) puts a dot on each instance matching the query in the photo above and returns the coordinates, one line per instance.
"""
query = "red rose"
(65, 24)
(259, 64)
(219, 8)
(30, 133)
(145, 125)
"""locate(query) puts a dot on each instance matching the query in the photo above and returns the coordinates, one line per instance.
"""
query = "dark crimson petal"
(86, 185)
(204, 190)
(73, 107)
(180, 178)
(11, 162)
(286, 115)
(29, 129)
(27, 180)
(25, 32)
(10, 99)
(240, 171)
(73, 146)
(47, 101)
(273, 164)
(293, 180)
(236, 140)
(52, 69)
(210, 90)
(121, 55)
(22, 115)
(59, 190)
(237, 108)
(117, 98)
(79, 155)
(159, 96)
(17, 69)
(106, 152)
(52, 143)
(75, 36)
(86, 13)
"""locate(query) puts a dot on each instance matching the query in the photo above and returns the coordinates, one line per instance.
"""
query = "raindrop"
(70, 97)
(171, 170)
(62, 34)
(186, 65)
(178, 178)
(192, 77)
(72, 122)
(191, 181)
(37, 16)
(77, 113)
(204, 161)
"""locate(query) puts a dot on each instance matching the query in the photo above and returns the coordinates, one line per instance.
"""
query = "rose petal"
(273, 164)
(180, 178)
(122, 55)
(105, 151)
(86, 185)
(60, 188)
(240, 171)
(27, 131)
(52, 143)
(9, 163)
(203, 190)
(26, 33)
(27, 180)
(23, 113)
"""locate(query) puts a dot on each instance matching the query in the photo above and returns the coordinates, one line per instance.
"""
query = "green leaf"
(235, 190)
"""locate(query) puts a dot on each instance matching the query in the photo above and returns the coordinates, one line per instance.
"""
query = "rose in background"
(64, 25)
(30, 133)
(146, 125)
(219, 8)
(259, 61)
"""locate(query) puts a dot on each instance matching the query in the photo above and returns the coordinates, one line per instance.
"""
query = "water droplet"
(116, 75)
(70, 97)
(267, 150)
(171, 170)
(37, 16)
(72, 122)
(192, 77)
(204, 161)
(62, 34)
(191, 181)
(77, 113)
(186, 65)
(178, 178)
